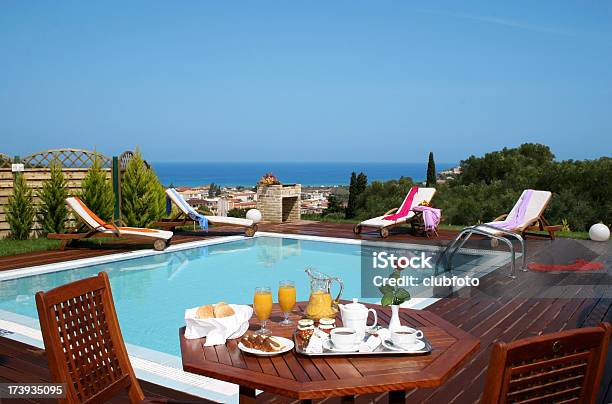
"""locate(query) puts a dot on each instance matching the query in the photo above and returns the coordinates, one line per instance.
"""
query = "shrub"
(97, 191)
(20, 210)
(52, 211)
(237, 212)
(142, 195)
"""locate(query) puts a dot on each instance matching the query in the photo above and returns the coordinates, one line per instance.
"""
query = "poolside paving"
(500, 309)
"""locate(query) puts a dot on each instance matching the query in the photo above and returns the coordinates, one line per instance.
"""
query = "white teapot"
(355, 316)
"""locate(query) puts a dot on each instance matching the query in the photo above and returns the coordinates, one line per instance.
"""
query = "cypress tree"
(52, 211)
(431, 171)
(349, 212)
(20, 210)
(357, 186)
(97, 191)
(360, 186)
(142, 195)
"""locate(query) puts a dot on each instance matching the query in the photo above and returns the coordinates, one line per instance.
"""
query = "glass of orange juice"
(286, 299)
(262, 304)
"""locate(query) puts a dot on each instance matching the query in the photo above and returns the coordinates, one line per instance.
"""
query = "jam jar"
(327, 324)
(305, 329)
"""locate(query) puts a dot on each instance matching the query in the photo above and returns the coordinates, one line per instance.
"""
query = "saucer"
(327, 344)
(417, 346)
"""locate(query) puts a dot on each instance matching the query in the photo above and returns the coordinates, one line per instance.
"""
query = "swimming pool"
(152, 292)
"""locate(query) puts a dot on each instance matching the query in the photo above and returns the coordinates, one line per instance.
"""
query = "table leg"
(246, 395)
(397, 397)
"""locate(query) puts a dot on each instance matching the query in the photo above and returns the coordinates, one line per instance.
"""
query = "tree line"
(490, 185)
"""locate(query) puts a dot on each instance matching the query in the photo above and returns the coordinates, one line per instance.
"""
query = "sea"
(310, 174)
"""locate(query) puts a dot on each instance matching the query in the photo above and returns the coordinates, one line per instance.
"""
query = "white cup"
(405, 336)
(343, 337)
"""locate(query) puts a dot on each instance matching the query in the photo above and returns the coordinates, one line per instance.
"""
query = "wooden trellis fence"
(74, 162)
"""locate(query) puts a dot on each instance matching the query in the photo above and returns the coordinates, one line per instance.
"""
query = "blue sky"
(306, 81)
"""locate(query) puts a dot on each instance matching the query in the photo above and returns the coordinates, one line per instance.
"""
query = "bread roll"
(223, 310)
(206, 311)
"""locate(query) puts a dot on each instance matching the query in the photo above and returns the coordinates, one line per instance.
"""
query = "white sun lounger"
(187, 212)
(533, 215)
(379, 222)
(99, 228)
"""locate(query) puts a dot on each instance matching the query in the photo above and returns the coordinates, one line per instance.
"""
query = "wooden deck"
(501, 309)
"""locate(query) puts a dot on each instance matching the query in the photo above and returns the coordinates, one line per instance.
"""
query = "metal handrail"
(456, 245)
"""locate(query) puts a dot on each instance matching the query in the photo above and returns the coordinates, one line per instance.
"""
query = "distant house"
(448, 175)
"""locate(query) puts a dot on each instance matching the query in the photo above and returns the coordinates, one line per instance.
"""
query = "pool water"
(151, 293)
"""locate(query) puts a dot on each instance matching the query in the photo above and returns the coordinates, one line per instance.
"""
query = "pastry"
(218, 310)
(222, 309)
(206, 311)
(262, 343)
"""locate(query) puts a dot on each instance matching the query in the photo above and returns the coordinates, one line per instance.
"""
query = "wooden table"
(306, 378)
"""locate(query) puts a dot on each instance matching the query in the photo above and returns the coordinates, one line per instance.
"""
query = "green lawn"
(12, 247)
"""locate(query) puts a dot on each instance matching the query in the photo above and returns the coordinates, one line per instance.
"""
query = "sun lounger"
(421, 195)
(188, 215)
(99, 228)
(527, 214)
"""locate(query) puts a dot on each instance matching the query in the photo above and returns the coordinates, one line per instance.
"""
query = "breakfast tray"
(380, 350)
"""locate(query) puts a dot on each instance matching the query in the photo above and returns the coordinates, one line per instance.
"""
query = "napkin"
(383, 333)
(370, 344)
(218, 330)
(315, 345)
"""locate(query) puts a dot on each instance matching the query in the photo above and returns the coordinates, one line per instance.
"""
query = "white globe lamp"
(599, 232)
(254, 215)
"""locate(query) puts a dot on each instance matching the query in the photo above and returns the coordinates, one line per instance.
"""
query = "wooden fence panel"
(35, 178)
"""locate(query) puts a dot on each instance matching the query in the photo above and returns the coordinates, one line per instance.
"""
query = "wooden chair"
(562, 367)
(83, 341)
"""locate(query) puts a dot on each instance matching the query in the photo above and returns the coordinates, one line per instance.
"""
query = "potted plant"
(268, 179)
(394, 296)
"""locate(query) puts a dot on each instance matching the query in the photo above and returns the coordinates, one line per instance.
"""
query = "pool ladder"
(464, 235)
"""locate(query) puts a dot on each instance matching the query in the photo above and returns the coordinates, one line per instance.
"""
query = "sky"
(306, 81)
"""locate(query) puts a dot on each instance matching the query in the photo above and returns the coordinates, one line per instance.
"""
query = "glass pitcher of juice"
(320, 303)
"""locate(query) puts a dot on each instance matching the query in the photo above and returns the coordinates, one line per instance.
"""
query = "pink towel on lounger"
(405, 208)
(431, 216)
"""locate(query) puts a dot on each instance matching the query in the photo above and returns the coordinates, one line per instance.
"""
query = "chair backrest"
(562, 367)
(537, 204)
(86, 215)
(83, 341)
(423, 194)
(180, 202)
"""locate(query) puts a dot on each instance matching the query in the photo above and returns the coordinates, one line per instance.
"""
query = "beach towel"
(431, 216)
(405, 208)
(517, 220)
(198, 217)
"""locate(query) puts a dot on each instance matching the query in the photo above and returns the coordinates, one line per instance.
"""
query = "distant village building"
(448, 175)
(314, 201)
(231, 198)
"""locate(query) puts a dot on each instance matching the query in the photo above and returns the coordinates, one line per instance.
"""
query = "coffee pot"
(355, 316)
